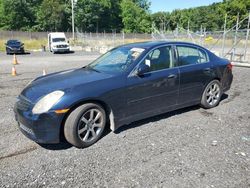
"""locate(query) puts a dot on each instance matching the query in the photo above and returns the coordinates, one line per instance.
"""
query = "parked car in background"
(14, 47)
(57, 42)
(128, 83)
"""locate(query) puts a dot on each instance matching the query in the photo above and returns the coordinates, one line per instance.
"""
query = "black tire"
(80, 120)
(211, 95)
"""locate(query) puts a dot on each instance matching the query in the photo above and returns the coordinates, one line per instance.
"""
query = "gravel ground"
(191, 147)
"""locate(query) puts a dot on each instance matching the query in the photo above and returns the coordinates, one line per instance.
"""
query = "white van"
(57, 42)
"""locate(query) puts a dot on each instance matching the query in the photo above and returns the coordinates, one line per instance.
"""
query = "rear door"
(156, 90)
(195, 72)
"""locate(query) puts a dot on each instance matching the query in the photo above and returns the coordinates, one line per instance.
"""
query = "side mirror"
(142, 69)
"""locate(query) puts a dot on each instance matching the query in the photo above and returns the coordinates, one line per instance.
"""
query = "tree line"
(130, 16)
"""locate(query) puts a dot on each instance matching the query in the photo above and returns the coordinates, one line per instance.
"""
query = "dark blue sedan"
(14, 47)
(126, 84)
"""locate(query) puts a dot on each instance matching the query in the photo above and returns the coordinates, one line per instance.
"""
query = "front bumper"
(42, 128)
(15, 50)
(61, 49)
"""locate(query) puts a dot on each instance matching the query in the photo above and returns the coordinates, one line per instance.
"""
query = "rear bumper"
(227, 84)
(43, 128)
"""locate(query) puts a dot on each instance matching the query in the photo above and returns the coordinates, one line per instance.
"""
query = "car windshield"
(58, 39)
(16, 42)
(116, 60)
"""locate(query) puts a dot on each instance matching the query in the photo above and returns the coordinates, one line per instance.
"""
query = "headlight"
(45, 103)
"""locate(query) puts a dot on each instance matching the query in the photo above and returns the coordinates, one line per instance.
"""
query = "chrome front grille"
(61, 46)
(23, 103)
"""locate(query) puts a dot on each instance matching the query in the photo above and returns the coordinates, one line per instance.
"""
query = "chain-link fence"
(105, 41)
(231, 43)
(5, 35)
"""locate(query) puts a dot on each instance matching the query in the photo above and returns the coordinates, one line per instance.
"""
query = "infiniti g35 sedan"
(128, 83)
(14, 47)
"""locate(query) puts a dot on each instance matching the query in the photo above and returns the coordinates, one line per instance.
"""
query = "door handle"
(207, 70)
(171, 76)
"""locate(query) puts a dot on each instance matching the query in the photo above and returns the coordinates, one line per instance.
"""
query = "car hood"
(65, 81)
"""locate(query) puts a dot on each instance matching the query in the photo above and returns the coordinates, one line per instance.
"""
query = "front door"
(157, 90)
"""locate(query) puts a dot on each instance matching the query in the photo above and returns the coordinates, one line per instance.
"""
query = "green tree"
(144, 4)
(135, 18)
(233, 7)
(161, 20)
(113, 17)
(91, 13)
(18, 14)
(2, 17)
(53, 15)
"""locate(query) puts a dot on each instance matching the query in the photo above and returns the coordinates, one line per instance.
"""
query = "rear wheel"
(211, 95)
(85, 125)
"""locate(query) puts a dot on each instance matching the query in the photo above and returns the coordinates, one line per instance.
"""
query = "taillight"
(230, 66)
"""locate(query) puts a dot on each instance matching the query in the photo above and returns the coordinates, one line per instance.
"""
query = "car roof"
(57, 34)
(152, 44)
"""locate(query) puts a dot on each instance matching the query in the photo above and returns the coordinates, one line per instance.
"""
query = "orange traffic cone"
(15, 60)
(44, 72)
(13, 72)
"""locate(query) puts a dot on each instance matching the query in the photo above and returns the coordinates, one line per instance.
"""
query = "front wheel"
(85, 125)
(211, 95)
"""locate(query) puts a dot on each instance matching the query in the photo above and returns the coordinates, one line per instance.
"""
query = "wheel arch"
(210, 80)
(108, 110)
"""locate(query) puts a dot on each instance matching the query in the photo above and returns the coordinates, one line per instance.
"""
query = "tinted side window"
(203, 56)
(190, 55)
(160, 58)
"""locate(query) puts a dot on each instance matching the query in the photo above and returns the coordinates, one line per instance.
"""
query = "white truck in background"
(57, 42)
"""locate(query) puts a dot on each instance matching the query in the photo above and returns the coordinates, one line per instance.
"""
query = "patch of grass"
(34, 44)
(2, 45)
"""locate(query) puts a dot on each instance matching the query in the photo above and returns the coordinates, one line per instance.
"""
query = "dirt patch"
(2, 87)
(3, 95)
(232, 97)
(23, 151)
(206, 113)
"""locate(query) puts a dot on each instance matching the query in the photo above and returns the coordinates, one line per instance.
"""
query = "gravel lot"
(191, 147)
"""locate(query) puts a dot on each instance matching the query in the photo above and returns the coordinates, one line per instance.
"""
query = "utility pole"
(224, 36)
(73, 20)
(247, 36)
(235, 36)
(201, 31)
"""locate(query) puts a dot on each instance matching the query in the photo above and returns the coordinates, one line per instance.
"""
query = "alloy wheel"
(90, 125)
(213, 94)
